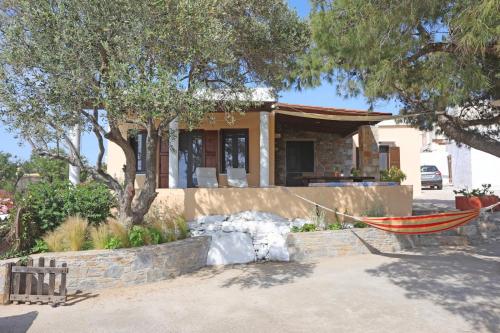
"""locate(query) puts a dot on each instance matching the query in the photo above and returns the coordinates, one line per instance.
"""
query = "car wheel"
(440, 187)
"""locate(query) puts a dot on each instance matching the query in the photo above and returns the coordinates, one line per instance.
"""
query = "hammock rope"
(420, 224)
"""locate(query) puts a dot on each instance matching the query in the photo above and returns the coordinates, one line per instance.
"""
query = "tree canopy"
(439, 59)
(102, 64)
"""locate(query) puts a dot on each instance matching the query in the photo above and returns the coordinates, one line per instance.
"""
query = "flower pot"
(488, 200)
(466, 203)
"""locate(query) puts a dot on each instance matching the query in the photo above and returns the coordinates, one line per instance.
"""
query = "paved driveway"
(431, 291)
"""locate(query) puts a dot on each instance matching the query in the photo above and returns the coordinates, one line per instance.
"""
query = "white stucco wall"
(485, 169)
(461, 165)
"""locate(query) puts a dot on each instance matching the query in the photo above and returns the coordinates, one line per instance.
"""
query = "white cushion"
(237, 177)
(206, 177)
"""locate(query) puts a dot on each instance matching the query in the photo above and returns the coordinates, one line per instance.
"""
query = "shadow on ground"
(466, 283)
(259, 275)
(17, 324)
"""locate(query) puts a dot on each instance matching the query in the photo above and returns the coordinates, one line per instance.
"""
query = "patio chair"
(206, 177)
(237, 177)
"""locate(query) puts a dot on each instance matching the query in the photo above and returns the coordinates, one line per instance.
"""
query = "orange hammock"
(422, 224)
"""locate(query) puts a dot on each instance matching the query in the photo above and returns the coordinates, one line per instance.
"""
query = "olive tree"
(100, 64)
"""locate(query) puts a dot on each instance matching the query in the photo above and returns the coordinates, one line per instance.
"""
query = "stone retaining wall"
(100, 269)
(305, 246)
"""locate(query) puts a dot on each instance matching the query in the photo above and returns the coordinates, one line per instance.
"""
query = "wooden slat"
(38, 298)
(17, 280)
(62, 287)
(7, 288)
(29, 278)
(163, 162)
(39, 284)
(23, 269)
(52, 278)
(394, 157)
(210, 142)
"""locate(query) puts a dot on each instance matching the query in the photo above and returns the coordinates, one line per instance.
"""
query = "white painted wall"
(485, 169)
(461, 165)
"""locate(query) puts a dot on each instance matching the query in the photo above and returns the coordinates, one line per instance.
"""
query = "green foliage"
(49, 169)
(113, 243)
(143, 61)
(46, 205)
(335, 226)
(428, 55)
(155, 236)
(170, 225)
(8, 172)
(355, 172)
(475, 192)
(393, 174)
(295, 229)
(40, 246)
(137, 236)
(360, 225)
(308, 227)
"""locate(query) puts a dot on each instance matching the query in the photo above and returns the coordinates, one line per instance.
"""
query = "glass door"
(190, 157)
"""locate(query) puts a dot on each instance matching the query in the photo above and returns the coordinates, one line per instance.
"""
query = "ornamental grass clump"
(74, 232)
(69, 236)
(100, 236)
(119, 233)
(170, 226)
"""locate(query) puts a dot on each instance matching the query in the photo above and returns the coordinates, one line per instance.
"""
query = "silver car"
(431, 176)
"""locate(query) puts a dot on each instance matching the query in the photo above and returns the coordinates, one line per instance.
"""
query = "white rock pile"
(245, 237)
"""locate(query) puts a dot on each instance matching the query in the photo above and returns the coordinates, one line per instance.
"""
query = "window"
(138, 141)
(234, 148)
(428, 168)
(383, 157)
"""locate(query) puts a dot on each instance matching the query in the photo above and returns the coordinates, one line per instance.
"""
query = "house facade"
(281, 146)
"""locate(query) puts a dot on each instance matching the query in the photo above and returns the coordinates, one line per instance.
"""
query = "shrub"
(137, 236)
(182, 227)
(113, 243)
(335, 226)
(40, 246)
(47, 205)
(308, 227)
(100, 236)
(119, 232)
(155, 236)
(295, 229)
(360, 225)
(393, 174)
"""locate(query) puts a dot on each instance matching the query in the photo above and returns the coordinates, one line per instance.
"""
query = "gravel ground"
(435, 290)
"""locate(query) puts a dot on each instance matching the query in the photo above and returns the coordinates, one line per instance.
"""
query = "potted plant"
(466, 199)
(355, 172)
(393, 174)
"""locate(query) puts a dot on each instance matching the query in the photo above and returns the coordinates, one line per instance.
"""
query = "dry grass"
(74, 230)
(119, 231)
(100, 236)
(54, 240)
(172, 227)
(69, 236)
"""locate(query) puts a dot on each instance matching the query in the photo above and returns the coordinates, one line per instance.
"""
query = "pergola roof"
(326, 119)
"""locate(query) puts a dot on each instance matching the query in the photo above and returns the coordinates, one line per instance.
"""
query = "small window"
(234, 148)
(138, 141)
(383, 157)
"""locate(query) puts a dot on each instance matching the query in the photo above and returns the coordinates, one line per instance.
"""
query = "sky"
(324, 95)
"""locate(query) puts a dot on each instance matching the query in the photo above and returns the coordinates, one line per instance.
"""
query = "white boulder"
(230, 248)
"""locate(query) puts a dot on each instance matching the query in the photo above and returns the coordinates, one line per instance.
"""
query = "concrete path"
(431, 291)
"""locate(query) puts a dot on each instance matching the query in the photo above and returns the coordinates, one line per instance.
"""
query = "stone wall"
(306, 246)
(100, 269)
(368, 151)
(330, 151)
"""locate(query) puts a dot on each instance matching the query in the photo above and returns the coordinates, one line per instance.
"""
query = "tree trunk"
(472, 139)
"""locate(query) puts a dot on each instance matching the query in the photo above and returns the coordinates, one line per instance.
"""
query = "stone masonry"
(101, 269)
(368, 151)
(330, 151)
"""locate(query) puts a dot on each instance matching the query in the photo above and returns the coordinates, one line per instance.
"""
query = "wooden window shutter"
(394, 159)
(210, 142)
(163, 158)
